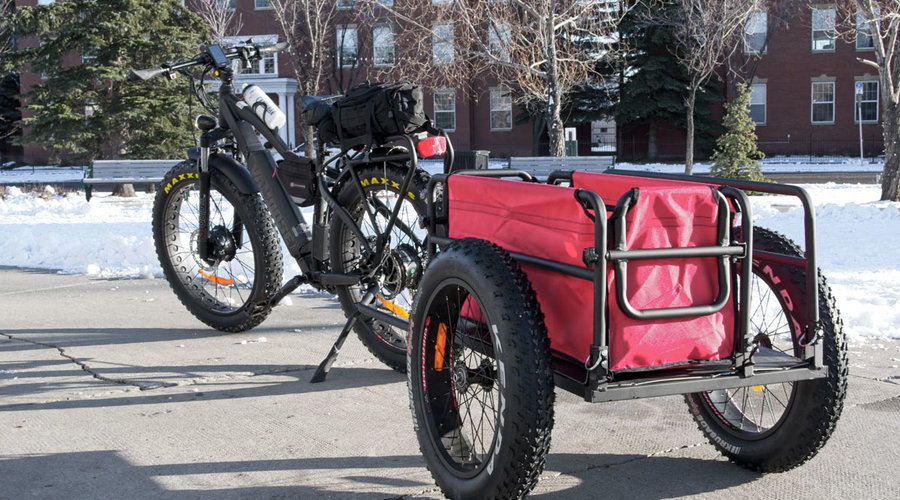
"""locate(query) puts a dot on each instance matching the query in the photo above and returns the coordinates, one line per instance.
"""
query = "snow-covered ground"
(858, 241)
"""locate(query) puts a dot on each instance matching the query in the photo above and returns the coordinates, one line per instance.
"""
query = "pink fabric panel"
(546, 221)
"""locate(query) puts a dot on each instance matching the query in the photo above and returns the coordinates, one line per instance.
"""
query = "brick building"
(805, 80)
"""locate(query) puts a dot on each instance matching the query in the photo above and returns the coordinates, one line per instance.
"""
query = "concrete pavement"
(111, 389)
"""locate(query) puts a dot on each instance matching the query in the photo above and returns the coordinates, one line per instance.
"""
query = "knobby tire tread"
(530, 390)
(823, 398)
(255, 311)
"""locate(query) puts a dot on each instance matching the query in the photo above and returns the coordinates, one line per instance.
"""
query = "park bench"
(544, 165)
(125, 172)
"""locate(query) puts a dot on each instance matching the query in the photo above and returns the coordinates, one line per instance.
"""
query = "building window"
(386, 3)
(498, 41)
(226, 4)
(262, 4)
(823, 30)
(755, 30)
(383, 45)
(442, 43)
(866, 104)
(346, 46)
(445, 109)
(864, 40)
(45, 2)
(501, 109)
(345, 4)
(757, 108)
(823, 102)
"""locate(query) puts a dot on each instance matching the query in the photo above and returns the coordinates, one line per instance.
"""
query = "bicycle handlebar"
(249, 52)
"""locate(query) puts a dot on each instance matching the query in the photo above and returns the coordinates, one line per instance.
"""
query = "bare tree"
(540, 49)
(878, 23)
(308, 27)
(706, 36)
(221, 16)
(418, 41)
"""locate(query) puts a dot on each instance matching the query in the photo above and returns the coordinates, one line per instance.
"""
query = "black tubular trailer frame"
(748, 365)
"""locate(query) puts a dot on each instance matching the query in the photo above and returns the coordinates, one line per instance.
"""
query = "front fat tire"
(229, 311)
(814, 406)
(502, 454)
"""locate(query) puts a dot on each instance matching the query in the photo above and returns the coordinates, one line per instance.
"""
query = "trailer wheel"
(480, 381)
(777, 427)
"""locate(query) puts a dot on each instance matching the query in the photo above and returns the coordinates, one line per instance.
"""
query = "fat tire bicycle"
(217, 217)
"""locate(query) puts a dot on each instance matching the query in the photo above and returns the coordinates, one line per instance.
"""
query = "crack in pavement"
(627, 461)
(893, 380)
(122, 381)
(147, 386)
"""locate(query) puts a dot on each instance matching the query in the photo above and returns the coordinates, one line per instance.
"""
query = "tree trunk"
(124, 190)
(652, 144)
(555, 129)
(890, 180)
(308, 138)
(689, 143)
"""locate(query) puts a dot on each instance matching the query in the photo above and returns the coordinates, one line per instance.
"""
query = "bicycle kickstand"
(326, 363)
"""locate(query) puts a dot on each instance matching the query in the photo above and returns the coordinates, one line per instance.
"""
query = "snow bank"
(858, 238)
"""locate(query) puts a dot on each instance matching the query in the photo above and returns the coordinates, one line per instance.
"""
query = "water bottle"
(263, 106)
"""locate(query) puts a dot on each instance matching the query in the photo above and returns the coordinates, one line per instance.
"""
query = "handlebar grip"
(278, 47)
(137, 75)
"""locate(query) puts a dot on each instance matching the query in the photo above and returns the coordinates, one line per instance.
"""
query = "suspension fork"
(203, 216)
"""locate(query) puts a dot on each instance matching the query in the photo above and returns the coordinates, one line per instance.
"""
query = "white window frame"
(856, 116)
(438, 111)
(226, 4)
(267, 5)
(340, 43)
(759, 92)
(500, 102)
(813, 103)
(758, 22)
(442, 43)
(824, 25)
(385, 41)
(864, 30)
(45, 2)
(344, 4)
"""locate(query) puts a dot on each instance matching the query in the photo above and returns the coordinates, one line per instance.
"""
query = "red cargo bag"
(545, 221)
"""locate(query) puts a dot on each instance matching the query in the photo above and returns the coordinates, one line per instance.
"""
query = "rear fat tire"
(507, 447)
(230, 311)
(385, 342)
(811, 408)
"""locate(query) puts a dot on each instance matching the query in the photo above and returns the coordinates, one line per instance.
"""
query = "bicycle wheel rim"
(459, 379)
(397, 281)
(226, 286)
(756, 412)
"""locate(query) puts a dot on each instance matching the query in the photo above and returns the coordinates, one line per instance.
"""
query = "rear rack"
(749, 366)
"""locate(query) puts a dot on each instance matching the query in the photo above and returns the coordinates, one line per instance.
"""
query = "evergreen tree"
(736, 155)
(654, 87)
(84, 108)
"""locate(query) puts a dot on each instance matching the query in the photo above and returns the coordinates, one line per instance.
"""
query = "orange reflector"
(758, 388)
(216, 279)
(394, 308)
(440, 347)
